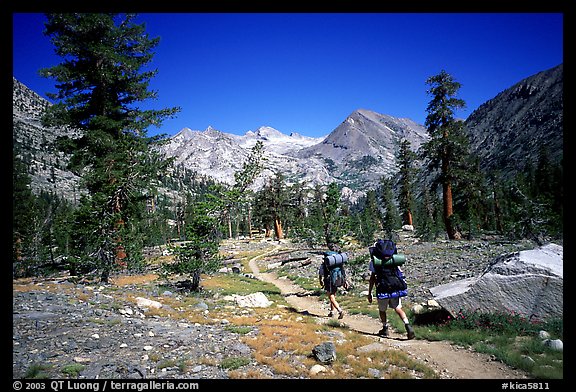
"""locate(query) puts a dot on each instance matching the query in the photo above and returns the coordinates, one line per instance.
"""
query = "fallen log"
(293, 259)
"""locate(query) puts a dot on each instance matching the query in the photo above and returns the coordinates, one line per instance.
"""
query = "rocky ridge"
(33, 143)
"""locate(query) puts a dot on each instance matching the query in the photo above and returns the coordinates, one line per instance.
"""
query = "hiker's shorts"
(328, 286)
(393, 303)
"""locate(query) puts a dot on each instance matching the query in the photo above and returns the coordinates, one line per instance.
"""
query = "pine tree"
(444, 150)
(100, 82)
(391, 219)
(471, 202)
(425, 217)
(272, 205)
(24, 217)
(332, 220)
(239, 193)
(405, 160)
(368, 219)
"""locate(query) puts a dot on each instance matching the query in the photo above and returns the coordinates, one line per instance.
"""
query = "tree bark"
(229, 226)
(250, 220)
(409, 217)
(278, 228)
(453, 234)
(120, 250)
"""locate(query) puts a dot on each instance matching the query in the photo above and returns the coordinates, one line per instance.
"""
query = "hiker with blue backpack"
(390, 282)
(332, 275)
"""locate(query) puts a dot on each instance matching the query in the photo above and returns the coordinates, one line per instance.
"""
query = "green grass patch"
(73, 369)
(37, 371)
(241, 285)
(510, 338)
(232, 363)
(239, 329)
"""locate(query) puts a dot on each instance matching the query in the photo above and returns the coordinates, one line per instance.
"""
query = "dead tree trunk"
(278, 228)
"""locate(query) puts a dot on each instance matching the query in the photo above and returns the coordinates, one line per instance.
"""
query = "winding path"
(450, 362)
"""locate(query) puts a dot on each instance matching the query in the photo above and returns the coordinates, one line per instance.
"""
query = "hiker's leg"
(333, 303)
(382, 307)
(409, 330)
(396, 303)
(383, 317)
(330, 300)
(400, 312)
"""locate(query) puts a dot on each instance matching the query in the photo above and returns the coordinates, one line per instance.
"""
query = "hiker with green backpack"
(332, 275)
(390, 282)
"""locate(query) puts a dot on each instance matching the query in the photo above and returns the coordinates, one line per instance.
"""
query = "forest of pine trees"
(135, 199)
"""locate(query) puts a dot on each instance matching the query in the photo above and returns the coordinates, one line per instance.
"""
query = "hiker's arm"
(370, 286)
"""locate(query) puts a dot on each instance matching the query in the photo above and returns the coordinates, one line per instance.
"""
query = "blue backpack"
(384, 249)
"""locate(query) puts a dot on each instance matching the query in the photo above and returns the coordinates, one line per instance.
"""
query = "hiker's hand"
(369, 297)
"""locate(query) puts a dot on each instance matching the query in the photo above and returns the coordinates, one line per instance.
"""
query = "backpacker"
(384, 252)
(334, 265)
(385, 259)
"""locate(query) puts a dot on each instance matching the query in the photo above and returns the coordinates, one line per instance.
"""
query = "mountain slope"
(356, 154)
(34, 145)
(508, 131)
(219, 155)
(362, 148)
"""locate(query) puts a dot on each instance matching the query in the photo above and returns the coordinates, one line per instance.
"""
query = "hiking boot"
(341, 314)
(410, 332)
(330, 314)
(384, 331)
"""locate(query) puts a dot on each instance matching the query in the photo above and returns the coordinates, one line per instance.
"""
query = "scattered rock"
(325, 352)
(372, 347)
(314, 370)
(554, 344)
(254, 300)
(147, 303)
(59, 331)
(543, 335)
(429, 312)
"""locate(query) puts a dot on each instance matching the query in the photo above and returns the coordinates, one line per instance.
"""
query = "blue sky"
(305, 73)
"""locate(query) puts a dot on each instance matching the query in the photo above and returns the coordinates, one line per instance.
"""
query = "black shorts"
(328, 286)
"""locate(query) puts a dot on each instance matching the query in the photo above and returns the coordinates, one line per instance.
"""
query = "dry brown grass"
(24, 285)
(285, 345)
(128, 280)
(252, 374)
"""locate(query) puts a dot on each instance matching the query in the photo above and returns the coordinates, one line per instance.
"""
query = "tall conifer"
(100, 82)
(445, 149)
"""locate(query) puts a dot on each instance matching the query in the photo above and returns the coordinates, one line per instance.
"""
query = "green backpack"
(337, 277)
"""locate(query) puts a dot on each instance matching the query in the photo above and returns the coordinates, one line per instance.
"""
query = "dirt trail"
(450, 362)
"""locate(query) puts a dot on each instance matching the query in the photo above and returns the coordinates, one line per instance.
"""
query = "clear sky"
(306, 72)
